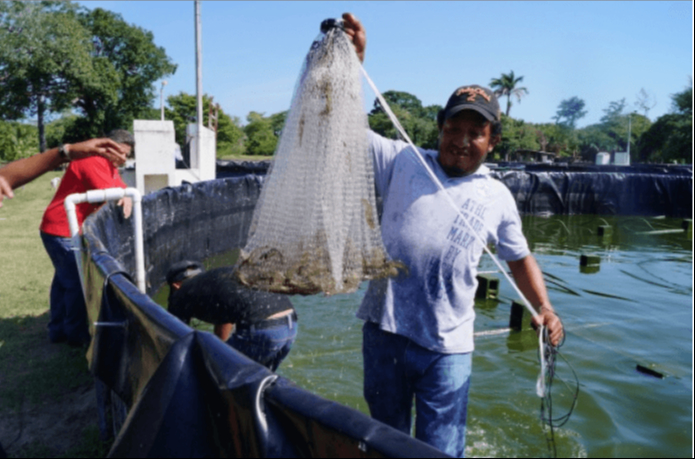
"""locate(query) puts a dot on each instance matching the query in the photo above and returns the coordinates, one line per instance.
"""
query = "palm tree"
(506, 86)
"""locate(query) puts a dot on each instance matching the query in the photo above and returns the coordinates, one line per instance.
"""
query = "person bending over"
(68, 313)
(266, 323)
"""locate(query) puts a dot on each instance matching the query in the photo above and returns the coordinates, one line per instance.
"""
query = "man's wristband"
(64, 152)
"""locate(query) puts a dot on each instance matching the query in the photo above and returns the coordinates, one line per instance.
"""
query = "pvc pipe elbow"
(134, 194)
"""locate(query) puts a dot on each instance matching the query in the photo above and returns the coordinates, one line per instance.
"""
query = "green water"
(635, 310)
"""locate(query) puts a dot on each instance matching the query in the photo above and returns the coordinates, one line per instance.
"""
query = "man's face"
(127, 149)
(465, 141)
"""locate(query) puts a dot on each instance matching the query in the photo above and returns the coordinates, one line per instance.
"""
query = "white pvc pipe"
(110, 194)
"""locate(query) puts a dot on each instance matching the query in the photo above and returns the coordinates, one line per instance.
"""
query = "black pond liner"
(645, 190)
(189, 394)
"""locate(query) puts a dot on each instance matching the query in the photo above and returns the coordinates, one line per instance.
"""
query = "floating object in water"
(650, 372)
(488, 287)
(589, 264)
(605, 231)
(519, 317)
(589, 260)
(688, 228)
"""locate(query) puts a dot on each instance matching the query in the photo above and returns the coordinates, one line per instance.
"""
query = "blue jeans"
(396, 369)
(68, 320)
(267, 346)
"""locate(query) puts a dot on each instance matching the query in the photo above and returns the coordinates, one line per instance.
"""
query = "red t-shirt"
(82, 175)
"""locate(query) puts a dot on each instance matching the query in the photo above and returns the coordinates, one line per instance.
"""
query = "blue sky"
(598, 51)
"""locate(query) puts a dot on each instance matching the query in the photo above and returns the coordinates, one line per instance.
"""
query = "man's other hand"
(549, 319)
(112, 151)
(353, 27)
(5, 189)
(127, 204)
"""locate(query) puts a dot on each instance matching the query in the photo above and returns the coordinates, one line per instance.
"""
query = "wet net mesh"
(315, 227)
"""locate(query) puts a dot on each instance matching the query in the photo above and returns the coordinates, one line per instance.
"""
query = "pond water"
(634, 309)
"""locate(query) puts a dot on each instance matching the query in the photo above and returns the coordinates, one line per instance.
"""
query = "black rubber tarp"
(570, 192)
(568, 189)
(188, 393)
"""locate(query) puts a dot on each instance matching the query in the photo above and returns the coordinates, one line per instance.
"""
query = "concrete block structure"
(155, 165)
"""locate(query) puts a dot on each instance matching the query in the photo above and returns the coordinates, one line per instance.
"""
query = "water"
(636, 310)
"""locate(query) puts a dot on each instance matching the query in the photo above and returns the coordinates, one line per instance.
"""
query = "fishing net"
(315, 227)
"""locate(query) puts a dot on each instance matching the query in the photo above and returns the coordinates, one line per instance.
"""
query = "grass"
(34, 373)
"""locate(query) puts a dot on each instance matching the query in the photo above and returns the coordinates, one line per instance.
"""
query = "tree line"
(82, 73)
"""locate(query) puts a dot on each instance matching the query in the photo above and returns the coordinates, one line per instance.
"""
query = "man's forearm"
(529, 279)
(25, 170)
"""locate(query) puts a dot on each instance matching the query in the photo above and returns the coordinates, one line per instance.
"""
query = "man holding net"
(418, 332)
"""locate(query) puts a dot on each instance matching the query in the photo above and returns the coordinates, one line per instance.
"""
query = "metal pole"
(199, 78)
(161, 97)
(629, 129)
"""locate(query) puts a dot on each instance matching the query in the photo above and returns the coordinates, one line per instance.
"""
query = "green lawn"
(35, 375)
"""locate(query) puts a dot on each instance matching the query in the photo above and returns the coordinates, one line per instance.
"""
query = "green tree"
(128, 63)
(404, 100)
(613, 111)
(17, 140)
(44, 60)
(420, 123)
(593, 139)
(569, 111)
(277, 122)
(682, 102)
(261, 138)
(506, 85)
(182, 111)
(516, 135)
(56, 130)
(670, 138)
(557, 138)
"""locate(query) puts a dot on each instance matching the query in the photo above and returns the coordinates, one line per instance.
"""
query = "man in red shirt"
(68, 321)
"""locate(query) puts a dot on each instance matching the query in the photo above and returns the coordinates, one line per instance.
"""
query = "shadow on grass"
(34, 370)
(45, 389)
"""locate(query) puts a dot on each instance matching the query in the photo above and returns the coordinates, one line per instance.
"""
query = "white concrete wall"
(622, 158)
(155, 163)
(205, 166)
(154, 154)
(603, 158)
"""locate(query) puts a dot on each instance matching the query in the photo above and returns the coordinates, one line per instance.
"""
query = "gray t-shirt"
(433, 303)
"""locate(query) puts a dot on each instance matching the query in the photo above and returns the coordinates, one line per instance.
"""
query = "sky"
(598, 51)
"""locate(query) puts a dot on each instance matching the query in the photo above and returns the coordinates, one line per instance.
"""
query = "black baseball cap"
(182, 270)
(471, 97)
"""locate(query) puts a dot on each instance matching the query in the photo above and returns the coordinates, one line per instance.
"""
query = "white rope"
(540, 383)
